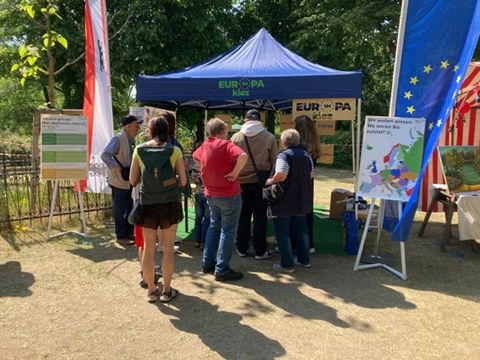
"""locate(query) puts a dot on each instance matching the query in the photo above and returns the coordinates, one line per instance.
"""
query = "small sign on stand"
(64, 157)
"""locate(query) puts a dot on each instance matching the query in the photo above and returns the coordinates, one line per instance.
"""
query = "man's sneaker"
(266, 255)
(311, 250)
(229, 276)
(209, 269)
(125, 241)
(277, 250)
(280, 268)
(241, 254)
(308, 265)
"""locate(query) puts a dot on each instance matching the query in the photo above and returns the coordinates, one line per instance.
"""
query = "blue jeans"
(122, 205)
(224, 214)
(202, 218)
(295, 226)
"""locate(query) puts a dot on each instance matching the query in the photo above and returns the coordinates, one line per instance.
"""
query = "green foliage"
(17, 105)
(37, 60)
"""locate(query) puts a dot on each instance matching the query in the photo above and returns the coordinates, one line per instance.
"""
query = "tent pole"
(205, 120)
(354, 161)
(359, 128)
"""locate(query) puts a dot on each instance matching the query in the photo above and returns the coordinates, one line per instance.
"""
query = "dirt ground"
(76, 299)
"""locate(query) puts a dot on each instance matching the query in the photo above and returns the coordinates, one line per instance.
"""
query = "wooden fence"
(23, 199)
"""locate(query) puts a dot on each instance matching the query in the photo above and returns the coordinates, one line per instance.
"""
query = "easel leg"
(52, 208)
(429, 211)
(364, 235)
(82, 211)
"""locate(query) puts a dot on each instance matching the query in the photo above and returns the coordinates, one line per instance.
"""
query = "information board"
(64, 147)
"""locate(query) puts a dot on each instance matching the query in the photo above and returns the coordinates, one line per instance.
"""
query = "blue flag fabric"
(439, 40)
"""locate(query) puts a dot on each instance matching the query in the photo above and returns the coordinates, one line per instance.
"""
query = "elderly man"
(262, 149)
(220, 163)
(117, 155)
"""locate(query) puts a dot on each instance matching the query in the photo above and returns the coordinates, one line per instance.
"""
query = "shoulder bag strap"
(118, 162)
(250, 153)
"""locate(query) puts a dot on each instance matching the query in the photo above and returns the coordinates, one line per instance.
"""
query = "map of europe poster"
(391, 157)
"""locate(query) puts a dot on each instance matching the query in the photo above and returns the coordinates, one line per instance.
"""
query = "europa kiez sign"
(242, 86)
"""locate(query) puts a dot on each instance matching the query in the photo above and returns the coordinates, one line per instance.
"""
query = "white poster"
(391, 157)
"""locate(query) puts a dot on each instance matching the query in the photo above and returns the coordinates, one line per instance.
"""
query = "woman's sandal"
(168, 296)
(154, 296)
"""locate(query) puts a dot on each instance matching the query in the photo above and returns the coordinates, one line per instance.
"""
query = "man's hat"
(127, 119)
(253, 114)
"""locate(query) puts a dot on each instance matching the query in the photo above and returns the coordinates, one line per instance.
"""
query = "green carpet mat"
(328, 233)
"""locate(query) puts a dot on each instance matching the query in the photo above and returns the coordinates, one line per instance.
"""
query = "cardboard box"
(337, 204)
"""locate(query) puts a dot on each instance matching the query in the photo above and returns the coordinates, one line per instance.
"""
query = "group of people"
(230, 177)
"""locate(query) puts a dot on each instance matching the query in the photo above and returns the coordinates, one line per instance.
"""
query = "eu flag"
(439, 39)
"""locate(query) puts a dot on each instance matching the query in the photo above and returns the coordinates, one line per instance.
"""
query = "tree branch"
(122, 27)
(70, 63)
(82, 55)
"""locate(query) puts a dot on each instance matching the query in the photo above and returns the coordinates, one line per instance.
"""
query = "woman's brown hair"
(172, 122)
(158, 128)
(308, 134)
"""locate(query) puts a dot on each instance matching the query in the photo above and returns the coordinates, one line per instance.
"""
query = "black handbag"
(274, 192)
(136, 213)
(125, 173)
(262, 175)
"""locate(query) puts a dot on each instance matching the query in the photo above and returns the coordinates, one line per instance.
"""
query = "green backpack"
(159, 184)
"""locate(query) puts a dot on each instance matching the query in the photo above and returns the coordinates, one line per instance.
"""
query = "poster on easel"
(391, 157)
(64, 148)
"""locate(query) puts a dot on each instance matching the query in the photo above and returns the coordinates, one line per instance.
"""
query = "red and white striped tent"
(464, 131)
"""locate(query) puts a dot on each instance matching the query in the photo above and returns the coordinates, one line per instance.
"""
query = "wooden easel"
(443, 196)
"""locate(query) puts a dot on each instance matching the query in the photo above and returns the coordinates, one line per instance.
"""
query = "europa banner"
(333, 109)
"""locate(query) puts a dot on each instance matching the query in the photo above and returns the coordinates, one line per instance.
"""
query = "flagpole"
(398, 57)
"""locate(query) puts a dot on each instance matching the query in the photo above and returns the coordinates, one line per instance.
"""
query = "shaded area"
(100, 247)
(13, 281)
(288, 297)
(221, 331)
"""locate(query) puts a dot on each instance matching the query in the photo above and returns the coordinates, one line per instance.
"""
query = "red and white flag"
(97, 101)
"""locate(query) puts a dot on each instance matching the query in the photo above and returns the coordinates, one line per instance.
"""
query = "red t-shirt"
(217, 157)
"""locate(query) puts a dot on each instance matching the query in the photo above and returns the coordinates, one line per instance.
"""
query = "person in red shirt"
(220, 163)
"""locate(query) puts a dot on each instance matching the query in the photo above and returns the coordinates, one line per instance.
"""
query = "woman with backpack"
(156, 166)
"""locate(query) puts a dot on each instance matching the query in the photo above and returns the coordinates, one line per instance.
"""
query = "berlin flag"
(97, 101)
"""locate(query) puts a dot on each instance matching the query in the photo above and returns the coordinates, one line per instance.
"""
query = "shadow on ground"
(13, 281)
(217, 328)
(100, 246)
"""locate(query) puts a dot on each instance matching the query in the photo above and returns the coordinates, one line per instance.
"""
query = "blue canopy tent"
(259, 73)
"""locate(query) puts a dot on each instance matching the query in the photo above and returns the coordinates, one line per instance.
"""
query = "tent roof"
(260, 72)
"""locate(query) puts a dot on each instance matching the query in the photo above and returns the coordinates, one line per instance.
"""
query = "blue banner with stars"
(440, 37)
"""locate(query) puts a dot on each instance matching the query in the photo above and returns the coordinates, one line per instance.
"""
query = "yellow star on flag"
(408, 95)
(410, 109)
(445, 64)
(455, 68)
(427, 69)
(414, 80)
(430, 126)
(459, 78)
(439, 122)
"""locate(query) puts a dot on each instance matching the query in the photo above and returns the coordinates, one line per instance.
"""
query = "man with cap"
(117, 155)
(261, 148)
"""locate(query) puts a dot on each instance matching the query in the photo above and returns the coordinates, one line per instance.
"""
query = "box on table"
(337, 202)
